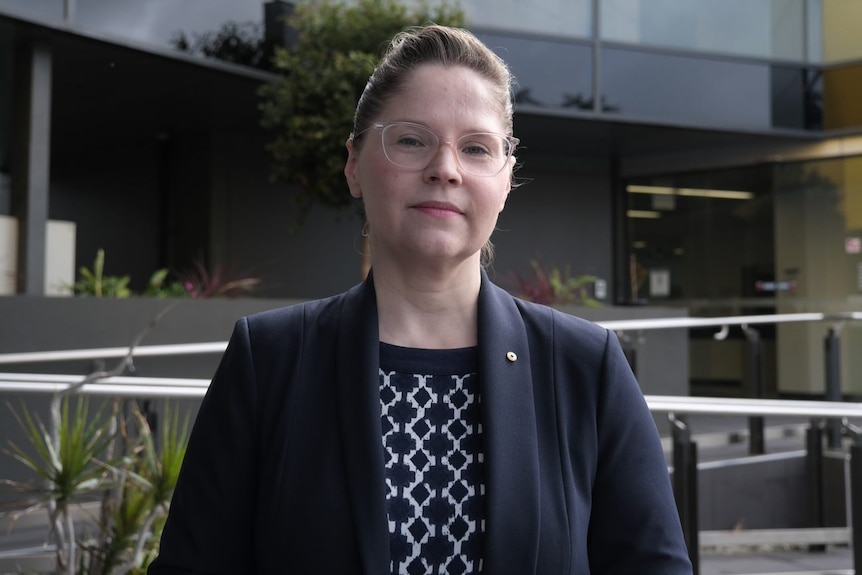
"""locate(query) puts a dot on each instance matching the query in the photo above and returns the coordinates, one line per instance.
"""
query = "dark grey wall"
(562, 218)
(109, 188)
(255, 226)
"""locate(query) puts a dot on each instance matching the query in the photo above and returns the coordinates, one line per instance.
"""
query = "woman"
(425, 421)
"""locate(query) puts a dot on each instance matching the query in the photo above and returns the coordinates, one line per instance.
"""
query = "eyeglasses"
(412, 147)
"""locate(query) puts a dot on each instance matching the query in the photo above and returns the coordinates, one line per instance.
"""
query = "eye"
(409, 141)
(408, 138)
(475, 150)
(481, 146)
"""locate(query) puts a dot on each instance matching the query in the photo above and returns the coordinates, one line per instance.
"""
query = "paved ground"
(832, 561)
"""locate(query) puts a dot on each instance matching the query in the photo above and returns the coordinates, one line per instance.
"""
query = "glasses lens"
(483, 154)
(409, 145)
(412, 147)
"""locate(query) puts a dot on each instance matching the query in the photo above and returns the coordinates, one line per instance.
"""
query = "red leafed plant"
(554, 287)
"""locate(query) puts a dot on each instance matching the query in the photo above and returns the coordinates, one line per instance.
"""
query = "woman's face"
(441, 213)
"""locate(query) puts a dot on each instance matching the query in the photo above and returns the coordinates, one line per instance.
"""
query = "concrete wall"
(769, 492)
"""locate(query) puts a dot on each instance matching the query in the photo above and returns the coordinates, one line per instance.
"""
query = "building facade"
(703, 154)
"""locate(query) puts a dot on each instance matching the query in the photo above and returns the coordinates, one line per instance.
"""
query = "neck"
(428, 310)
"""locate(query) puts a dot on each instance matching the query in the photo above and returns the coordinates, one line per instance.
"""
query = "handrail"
(772, 407)
(113, 352)
(613, 325)
(690, 322)
(196, 388)
(121, 386)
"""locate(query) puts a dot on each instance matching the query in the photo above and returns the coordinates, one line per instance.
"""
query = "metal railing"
(685, 471)
(835, 416)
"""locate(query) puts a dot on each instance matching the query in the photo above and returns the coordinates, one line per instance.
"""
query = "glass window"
(818, 247)
(47, 10)
(818, 206)
(773, 29)
(158, 21)
(564, 18)
(797, 98)
(702, 236)
(686, 90)
(550, 74)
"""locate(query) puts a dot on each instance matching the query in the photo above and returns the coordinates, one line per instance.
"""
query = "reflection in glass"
(46, 10)
(550, 74)
(687, 90)
(563, 18)
(756, 28)
(712, 233)
(158, 21)
(797, 98)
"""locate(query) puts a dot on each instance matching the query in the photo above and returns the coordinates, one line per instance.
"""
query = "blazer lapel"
(511, 443)
(361, 435)
(511, 451)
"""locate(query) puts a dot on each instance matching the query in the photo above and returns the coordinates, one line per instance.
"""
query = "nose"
(444, 164)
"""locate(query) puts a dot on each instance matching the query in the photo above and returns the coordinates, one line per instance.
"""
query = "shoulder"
(563, 329)
(297, 319)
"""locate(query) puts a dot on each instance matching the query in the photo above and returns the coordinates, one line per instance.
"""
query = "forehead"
(436, 94)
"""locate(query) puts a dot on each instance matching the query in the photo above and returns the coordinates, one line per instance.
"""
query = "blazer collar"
(511, 454)
(511, 442)
(358, 382)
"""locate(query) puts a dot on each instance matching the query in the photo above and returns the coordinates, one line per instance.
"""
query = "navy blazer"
(284, 470)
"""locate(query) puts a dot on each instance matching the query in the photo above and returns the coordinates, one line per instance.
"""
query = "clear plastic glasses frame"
(413, 146)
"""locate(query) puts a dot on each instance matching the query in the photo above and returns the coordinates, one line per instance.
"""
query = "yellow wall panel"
(841, 38)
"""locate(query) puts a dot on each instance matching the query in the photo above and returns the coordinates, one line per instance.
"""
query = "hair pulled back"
(431, 44)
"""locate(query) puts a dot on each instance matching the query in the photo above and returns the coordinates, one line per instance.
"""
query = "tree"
(310, 106)
(235, 42)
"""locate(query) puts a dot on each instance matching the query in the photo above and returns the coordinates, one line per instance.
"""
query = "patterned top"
(432, 438)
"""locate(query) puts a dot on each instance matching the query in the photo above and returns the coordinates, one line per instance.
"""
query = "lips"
(443, 209)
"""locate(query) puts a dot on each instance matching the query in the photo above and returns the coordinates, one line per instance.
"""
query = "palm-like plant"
(65, 458)
(106, 453)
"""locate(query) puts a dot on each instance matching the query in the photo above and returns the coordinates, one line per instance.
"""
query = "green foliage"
(236, 42)
(66, 465)
(555, 287)
(160, 286)
(95, 283)
(196, 282)
(310, 107)
(80, 454)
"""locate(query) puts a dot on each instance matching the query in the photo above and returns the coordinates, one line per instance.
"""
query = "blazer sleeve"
(210, 525)
(634, 526)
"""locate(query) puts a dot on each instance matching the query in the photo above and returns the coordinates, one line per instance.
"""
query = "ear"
(351, 170)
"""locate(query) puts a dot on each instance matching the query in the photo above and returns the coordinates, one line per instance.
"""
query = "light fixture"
(690, 192)
(644, 214)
